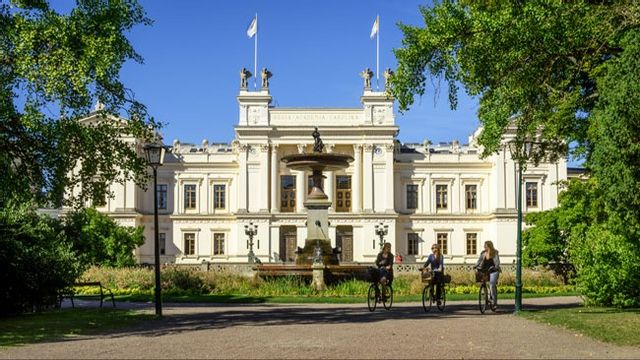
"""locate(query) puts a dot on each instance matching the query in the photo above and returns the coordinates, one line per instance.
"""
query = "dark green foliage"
(53, 67)
(565, 72)
(99, 240)
(36, 260)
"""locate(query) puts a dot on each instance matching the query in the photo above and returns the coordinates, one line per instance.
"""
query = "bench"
(104, 292)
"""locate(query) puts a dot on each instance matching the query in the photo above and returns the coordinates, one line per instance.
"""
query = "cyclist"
(384, 263)
(489, 261)
(436, 261)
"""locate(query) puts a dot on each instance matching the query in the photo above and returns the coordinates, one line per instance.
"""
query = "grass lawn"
(618, 326)
(302, 299)
(58, 324)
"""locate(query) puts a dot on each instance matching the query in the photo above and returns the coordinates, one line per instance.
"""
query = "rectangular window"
(442, 240)
(287, 193)
(441, 196)
(412, 197)
(412, 243)
(471, 196)
(472, 243)
(162, 196)
(162, 239)
(219, 196)
(189, 197)
(189, 243)
(309, 184)
(532, 194)
(343, 193)
(218, 244)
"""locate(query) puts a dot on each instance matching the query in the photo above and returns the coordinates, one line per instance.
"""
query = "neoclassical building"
(425, 193)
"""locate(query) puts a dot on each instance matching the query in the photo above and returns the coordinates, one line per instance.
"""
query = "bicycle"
(376, 294)
(429, 293)
(484, 296)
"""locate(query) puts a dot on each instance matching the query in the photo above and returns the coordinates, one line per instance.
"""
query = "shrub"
(36, 260)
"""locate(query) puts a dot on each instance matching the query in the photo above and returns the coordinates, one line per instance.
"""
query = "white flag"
(374, 29)
(253, 27)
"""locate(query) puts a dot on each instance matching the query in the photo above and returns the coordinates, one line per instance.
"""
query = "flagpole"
(378, 53)
(255, 56)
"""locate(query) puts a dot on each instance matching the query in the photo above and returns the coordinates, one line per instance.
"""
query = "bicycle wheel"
(387, 296)
(443, 298)
(372, 299)
(483, 298)
(426, 298)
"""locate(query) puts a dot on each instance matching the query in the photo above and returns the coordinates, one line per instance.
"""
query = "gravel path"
(333, 331)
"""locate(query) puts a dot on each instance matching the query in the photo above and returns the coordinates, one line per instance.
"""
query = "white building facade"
(425, 193)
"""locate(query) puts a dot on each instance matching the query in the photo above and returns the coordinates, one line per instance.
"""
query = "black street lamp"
(382, 230)
(155, 158)
(520, 152)
(251, 231)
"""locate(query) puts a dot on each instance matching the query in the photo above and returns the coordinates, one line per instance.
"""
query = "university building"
(424, 193)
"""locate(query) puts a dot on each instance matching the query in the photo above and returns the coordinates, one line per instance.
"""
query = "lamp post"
(251, 231)
(382, 230)
(520, 152)
(155, 158)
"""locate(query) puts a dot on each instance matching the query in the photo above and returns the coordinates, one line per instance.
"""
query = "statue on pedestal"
(266, 74)
(388, 73)
(318, 146)
(244, 78)
(367, 74)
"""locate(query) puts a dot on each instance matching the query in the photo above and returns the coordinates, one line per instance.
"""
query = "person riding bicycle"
(436, 262)
(489, 262)
(384, 263)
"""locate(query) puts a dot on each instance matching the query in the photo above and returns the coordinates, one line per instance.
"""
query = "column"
(300, 175)
(242, 177)
(355, 184)
(367, 178)
(329, 188)
(264, 178)
(389, 177)
(274, 178)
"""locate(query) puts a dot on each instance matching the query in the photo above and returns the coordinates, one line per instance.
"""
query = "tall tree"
(568, 73)
(533, 61)
(53, 68)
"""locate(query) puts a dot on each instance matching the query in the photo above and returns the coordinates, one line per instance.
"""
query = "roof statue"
(266, 74)
(367, 74)
(244, 78)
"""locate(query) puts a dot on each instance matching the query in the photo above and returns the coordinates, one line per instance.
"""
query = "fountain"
(317, 249)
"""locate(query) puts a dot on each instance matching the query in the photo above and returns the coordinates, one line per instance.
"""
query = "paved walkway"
(333, 331)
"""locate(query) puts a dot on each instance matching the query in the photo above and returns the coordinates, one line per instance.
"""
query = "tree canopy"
(53, 68)
(533, 61)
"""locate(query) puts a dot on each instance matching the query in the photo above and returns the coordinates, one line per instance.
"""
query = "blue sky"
(194, 51)
(315, 49)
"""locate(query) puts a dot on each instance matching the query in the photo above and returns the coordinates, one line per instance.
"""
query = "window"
(472, 243)
(219, 196)
(471, 196)
(412, 197)
(441, 197)
(412, 243)
(189, 197)
(309, 184)
(442, 241)
(532, 194)
(287, 193)
(161, 189)
(162, 239)
(218, 244)
(189, 243)
(343, 193)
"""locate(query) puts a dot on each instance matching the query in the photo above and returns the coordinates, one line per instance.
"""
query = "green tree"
(533, 61)
(53, 67)
(36, 259)
(564, 72)
(99, 240)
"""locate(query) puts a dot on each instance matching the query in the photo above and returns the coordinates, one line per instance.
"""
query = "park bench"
(104, 292)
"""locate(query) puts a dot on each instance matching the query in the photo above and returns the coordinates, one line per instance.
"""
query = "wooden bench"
(104, 292)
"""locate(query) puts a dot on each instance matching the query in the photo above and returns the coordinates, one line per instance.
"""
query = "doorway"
(288, 243)
(344, 240)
